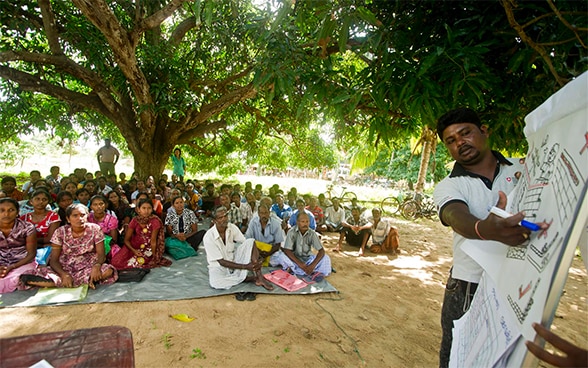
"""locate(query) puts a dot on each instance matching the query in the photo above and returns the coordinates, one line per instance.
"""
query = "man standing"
(107, 157)
(230, 256)
(479, 180)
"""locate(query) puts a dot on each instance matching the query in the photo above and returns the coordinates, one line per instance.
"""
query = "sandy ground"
(386, 315)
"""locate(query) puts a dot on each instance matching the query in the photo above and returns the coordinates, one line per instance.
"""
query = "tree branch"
(507, 5)
(62, 63)
(207, 111)
(181, 30)
(32, 83)
(123, 48)
(221, 85)
(155, 19)
(50, 27)
(565, 22)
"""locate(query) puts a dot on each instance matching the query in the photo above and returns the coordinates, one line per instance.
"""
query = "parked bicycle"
(421, 205)
(391, 205)
(346, 198)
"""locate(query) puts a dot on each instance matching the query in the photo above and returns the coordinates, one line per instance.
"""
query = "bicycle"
(391, 205)
(346, 198)
(421, 206)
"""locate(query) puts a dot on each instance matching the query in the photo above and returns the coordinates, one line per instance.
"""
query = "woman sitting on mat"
(18, 246)
(44, 220)
(64, 199)
(144, 241)
(99, 215)
(182, 223)
(77, 255)
(118, 206)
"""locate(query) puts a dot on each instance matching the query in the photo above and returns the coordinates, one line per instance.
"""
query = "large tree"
(222, 76)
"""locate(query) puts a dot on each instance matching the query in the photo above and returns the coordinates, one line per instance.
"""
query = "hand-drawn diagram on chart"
(551, 189)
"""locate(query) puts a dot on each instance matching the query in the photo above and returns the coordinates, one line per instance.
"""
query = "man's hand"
(506, 230)
(575, 356)
(308, 269)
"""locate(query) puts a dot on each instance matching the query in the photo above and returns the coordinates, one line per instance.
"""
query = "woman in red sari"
(144, 241)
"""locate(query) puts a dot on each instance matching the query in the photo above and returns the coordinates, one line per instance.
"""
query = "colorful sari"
(143, 228)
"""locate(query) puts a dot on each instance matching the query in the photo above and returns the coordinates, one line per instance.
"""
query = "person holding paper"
(480, 179)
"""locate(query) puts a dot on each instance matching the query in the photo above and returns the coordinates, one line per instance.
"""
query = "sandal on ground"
(250, 297)
(317, 277)
(240, 296)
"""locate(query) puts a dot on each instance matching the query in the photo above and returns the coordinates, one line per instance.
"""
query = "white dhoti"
(224, 278)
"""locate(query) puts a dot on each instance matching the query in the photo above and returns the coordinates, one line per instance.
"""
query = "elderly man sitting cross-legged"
(297, 255)
(230, 256)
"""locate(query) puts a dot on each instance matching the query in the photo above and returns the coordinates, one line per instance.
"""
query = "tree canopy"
(234, 82)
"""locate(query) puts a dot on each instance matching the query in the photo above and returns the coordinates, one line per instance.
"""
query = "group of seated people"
(68, 231)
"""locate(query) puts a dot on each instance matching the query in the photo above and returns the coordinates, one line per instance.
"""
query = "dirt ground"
(386, 315)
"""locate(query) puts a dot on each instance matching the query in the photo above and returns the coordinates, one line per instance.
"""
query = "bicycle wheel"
(346, 199)
(410, 210)
(390, 206)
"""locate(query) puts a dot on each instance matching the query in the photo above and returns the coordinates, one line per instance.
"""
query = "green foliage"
(197, 353)
(401, 164)
(234, 84)
(166, 340)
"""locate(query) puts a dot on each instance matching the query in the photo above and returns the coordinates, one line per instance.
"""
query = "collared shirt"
(285, 211)
(335, 216)
(302, 244)
(235, 216)
(271, 234)
(479, 194)
(173, 220)
(294, 218)
(216, 249)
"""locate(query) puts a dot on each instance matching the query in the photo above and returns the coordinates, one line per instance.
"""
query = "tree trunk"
(428, 139)
(151, 154)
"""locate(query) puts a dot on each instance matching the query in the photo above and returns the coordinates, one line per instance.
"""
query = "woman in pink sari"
(18, 246)
(77, 255)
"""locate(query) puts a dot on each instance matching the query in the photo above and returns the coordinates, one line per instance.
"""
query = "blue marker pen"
(527, 224)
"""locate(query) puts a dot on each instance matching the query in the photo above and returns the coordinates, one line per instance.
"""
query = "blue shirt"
(294, 218)
(272, 234)
(283, 212)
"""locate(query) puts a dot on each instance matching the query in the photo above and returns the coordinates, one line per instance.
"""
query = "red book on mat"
(285, 280)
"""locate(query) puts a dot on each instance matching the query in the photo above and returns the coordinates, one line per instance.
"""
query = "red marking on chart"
(523, 292)
(586, 144)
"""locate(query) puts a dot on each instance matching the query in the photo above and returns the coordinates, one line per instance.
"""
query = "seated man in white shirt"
(230, 256)
(334, 216)
(385, 237)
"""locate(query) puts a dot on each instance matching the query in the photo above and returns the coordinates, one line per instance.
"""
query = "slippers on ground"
(240, 296)
(250, 296)
(317, 277)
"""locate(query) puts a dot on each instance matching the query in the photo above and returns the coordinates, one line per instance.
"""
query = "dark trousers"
(353, 238)
(196, 239)
(456, 302)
